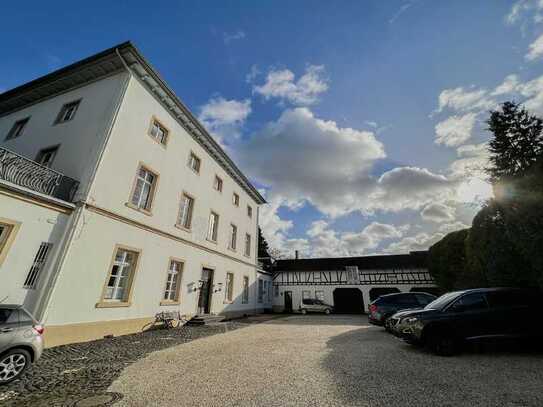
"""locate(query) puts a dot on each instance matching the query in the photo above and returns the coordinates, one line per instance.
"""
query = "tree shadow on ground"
(372, 368)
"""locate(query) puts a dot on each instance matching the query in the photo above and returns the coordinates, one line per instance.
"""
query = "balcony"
(26, 173)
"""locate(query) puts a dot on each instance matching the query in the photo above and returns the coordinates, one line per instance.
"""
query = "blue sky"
(362, 121)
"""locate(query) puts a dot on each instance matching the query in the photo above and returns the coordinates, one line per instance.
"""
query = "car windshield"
(442, 301)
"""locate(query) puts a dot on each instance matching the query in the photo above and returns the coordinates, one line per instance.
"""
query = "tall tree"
(263, 248)
(517, 141)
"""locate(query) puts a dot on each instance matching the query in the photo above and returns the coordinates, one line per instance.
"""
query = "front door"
(288, 301)
(206, 292)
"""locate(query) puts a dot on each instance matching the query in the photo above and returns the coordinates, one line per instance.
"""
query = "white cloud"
(420, 241)
(438, 212)
(305, 91)
(411, 188)
(463, 100)
(253, 73)
(229, 37)
(224, 118)
(455, 130)
(509, 85)
(522, 7)
(535, 49)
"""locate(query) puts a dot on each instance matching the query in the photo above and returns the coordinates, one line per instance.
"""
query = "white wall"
(80, 139)
(37, 224)
(87, 266)
(130, 144)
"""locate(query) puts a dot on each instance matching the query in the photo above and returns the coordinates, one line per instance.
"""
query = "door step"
(205, 319)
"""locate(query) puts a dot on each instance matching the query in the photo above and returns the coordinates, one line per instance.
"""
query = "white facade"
(82, 292)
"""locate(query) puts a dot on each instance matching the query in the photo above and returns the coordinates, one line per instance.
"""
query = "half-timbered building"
(348, 283)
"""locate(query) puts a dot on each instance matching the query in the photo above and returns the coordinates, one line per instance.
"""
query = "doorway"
(348, 301)
(288, 301)
(206, 292)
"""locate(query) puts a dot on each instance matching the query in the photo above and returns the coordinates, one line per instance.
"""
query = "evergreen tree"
(517, 142)
(263, 248)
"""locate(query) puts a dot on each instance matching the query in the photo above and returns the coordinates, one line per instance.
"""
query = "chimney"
(296, 254)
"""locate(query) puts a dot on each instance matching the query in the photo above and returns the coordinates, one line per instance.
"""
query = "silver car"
(21, 341)
(315, 305)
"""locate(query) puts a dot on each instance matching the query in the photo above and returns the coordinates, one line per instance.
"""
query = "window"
(306, 294)
(185, 211)
(67, 112)
(217, 183)
(249, 211)
(144, 189)
(46, 156)
(17, 128)
(245, 295)
(213, 229)
(233, 237)
(235, 199)
(352, 274)
(121, 275)
(194, 163)
(158, 132)
(229, 287)
(424, 299)
(469, 302)
(173, 281)
(276, 290)
(260, 291)
(37, 265)
(247, 244)
(269, 290)
(319, 295)
(7, 234)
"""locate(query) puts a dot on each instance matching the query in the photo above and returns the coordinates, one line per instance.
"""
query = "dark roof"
(413, 260)
(121, 57)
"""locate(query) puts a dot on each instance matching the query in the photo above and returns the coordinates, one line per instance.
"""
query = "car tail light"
(39, 329)
(373, 308)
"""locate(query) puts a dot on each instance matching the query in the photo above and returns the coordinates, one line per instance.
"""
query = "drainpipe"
(45, 301)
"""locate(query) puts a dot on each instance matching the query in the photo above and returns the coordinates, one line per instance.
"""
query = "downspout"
(45, 301)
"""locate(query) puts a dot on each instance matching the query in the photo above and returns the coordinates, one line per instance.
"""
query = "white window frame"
(186, 210)
(17, 129)
(245, 293)
(158, 131)
(213, 227)
(247, 249)
(195, 162)
(145, 187)
(229, 287)
(122, 265)
(217, 183)
(232, 242)
(68, 111)
(173, 281)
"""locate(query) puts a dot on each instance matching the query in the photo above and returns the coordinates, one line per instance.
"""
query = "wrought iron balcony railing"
(21, 171)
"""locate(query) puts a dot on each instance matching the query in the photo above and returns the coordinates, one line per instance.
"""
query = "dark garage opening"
(378, 291)
(348, 301)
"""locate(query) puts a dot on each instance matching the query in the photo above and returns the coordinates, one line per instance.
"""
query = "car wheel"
(327, 311)
(304, 312)
(442, 344)
(13, 364)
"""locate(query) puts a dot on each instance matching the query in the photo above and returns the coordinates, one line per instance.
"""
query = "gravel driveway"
(332, 360)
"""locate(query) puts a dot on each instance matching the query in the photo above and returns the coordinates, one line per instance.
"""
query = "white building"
(134, 208)
(348, 283)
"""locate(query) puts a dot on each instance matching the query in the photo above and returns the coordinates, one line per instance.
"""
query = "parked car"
(387, 305)
(315, 305)
(473, 315)
(21, 341)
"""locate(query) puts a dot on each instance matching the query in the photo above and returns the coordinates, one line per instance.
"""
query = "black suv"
(387, 305)
(473, 315)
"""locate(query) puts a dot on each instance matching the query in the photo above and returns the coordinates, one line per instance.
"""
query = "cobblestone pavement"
(335, 360)
(67, 374)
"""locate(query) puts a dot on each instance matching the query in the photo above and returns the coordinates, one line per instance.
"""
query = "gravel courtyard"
(332, 360)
